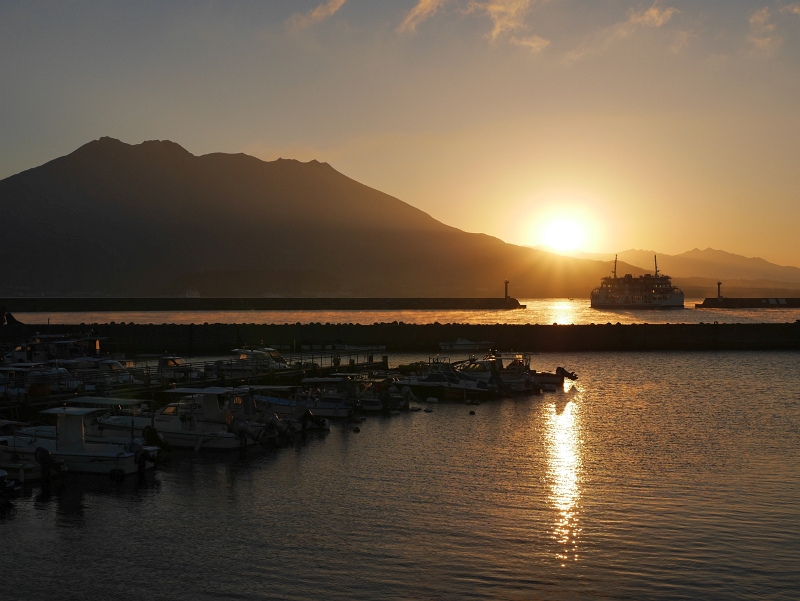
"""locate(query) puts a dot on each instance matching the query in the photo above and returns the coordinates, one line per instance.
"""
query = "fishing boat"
(443, 382)
(189, 423)
(643, 292)
(70, 446)
(324, 397)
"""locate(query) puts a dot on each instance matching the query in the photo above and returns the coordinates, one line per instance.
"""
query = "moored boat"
(70, 446)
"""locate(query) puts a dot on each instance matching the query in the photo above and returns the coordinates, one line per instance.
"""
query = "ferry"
(644, 292)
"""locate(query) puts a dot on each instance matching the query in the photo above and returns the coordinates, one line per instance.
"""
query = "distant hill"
(701, 269)
(154, 220)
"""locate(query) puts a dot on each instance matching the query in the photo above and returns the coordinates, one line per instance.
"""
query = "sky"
(602, 125)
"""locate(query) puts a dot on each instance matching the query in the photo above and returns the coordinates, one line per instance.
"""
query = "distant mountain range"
(708, 263)
(113, 219)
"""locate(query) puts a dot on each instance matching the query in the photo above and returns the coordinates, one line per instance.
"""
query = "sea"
(538, 311)
(654, 476)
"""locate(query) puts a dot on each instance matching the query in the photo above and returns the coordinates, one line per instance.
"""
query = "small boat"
(462, 344)
(197, 421)
(324, 397)
(70, 446)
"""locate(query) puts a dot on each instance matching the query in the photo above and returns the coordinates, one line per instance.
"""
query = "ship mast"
(615, 267)
(655, 258)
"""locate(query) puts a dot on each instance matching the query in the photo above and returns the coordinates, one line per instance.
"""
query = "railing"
(147, 376)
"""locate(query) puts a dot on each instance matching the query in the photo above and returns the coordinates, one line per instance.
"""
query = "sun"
(562, 234)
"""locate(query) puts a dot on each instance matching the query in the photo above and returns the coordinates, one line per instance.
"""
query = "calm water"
(541, 311)
(661, 476)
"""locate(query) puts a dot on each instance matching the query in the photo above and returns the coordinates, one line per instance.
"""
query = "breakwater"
(749, 303)
(221, 338)
(27, 305)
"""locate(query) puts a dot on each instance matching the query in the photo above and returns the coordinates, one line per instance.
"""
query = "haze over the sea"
(604, 125)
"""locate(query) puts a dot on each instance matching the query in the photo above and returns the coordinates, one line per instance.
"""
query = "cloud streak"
(762, 38)
(653, 18)
(793, 9)
(507, 15)
(423, 10)
(325, 10)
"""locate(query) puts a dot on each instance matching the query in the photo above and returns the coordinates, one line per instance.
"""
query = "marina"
(618, 483)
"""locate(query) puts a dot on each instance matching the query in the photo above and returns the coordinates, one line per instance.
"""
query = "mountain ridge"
(112, 218)
(707, 263)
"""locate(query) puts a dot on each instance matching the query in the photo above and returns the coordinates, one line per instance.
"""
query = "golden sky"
(664, 126)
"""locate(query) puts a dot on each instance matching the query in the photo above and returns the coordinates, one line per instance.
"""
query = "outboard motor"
(153, 439)
(276, 423)
(408, 395)
(309, 421)
(560, 371)
(241, 427)
(46, 461)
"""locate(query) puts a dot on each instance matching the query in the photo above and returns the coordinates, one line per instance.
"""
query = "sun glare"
(562, 234)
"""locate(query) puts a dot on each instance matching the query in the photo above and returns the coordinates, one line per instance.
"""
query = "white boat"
(462, 344)
(234, 408)
(192, 423)
(445, 383)
(644, 292)
(176, 425)
(509, 372)
(324, 397)
(70, 446)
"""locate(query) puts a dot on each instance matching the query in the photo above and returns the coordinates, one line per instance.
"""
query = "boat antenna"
(655, 258)
(615, 266)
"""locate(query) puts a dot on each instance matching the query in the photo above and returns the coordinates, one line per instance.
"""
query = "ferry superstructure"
(643, 292)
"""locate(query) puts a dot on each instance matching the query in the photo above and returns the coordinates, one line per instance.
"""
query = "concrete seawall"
(221, 338)
(25, 305)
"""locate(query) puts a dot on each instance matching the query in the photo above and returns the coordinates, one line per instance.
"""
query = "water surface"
(541, 311)
(661, 475)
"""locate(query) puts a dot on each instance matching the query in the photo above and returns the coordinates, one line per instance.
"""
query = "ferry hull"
(636, 306)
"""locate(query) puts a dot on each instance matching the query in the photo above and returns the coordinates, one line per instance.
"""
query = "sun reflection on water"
(563, 312)
(564, 466)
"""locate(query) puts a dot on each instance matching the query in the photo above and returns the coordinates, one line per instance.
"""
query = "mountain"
(154, 220)
(701, 269)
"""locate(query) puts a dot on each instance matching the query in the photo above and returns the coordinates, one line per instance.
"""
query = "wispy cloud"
(320, 13)
(762, 38)
(422, 11)
(653, 17)
(507, 15)
(534, 43)
(792, 8)
(680, 40)
(509, 22)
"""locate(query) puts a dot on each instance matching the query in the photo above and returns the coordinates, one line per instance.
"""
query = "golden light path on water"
(564, 470)
(563, 312)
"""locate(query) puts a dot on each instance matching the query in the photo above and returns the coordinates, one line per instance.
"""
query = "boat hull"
(186, 439)
(637, 306)
(91, 459)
